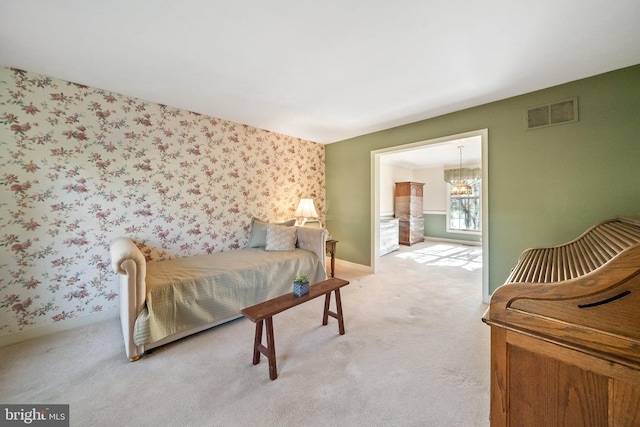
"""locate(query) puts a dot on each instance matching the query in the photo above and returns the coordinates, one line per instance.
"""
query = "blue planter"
(300, 289)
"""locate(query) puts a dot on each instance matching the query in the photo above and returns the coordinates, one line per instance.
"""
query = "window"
(463, 212)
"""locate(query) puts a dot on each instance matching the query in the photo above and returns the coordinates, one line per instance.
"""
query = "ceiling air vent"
(552, 114)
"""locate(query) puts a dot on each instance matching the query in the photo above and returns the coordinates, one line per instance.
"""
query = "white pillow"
(281, 238)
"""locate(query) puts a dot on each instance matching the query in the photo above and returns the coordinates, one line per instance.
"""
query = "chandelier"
(461, 188)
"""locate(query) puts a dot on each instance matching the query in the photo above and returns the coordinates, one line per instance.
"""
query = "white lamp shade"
(306, 209)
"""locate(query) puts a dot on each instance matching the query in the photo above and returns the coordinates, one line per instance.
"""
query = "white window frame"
(479, 197)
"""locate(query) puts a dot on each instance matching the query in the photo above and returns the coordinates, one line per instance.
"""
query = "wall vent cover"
(558, 113)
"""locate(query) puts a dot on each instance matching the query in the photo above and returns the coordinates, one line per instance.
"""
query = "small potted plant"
(301, 285)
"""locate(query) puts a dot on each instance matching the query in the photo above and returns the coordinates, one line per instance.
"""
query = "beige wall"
(435, 188)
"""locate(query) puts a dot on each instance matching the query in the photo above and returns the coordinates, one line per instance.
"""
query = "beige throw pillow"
(281, 238)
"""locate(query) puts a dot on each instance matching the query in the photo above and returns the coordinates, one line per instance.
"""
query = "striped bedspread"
(186, 292)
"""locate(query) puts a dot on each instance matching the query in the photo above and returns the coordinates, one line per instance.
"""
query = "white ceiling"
(442, 155)
(320, 70)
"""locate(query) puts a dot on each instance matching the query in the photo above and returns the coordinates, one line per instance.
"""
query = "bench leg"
(269, 350)
(337, 314)
(339, 310)
(257, 342)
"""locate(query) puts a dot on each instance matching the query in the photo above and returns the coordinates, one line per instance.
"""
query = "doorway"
(422, 147)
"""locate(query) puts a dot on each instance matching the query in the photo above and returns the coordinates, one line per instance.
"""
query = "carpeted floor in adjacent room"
(415, 353)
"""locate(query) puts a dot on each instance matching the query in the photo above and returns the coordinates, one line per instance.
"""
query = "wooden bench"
(263, 313)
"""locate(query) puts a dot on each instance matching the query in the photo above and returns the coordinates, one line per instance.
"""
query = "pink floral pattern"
(80, 166)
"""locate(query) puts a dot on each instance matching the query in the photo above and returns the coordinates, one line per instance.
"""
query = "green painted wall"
(435, 225)
(546, 186)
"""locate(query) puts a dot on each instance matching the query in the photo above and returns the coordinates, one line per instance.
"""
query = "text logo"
(34, 415)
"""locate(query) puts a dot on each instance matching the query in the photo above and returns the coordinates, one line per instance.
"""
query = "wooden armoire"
(408, 209)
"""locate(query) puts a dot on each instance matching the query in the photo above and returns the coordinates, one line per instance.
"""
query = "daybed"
(163, 301)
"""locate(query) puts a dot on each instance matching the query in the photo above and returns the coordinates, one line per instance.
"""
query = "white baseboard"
(460, 242)
(53, 328)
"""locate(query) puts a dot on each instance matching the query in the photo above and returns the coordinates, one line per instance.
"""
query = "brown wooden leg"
(339, 312)
(333, 262)
(273, 372)
(257, 341)
(327, 301)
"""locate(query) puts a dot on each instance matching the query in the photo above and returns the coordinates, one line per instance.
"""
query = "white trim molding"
(375, 197)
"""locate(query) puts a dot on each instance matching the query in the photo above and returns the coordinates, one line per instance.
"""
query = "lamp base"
(311, 223)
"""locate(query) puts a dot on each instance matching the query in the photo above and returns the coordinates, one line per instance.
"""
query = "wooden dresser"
(408, 209)
(565, 333)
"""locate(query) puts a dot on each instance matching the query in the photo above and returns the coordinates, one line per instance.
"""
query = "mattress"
(208, 289)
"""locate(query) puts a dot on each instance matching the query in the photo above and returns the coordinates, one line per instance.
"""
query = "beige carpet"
(415, 353)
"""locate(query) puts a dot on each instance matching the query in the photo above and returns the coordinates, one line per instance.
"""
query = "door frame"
(375, 197)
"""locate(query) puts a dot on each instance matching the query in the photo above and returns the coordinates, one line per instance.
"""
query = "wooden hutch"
(408, 209)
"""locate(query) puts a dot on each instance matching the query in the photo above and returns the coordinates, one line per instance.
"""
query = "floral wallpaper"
(80, 166)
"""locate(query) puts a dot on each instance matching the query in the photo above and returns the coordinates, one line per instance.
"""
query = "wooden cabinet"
(544, 383)
(566, 352)
(389, 235)
(408, 210)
